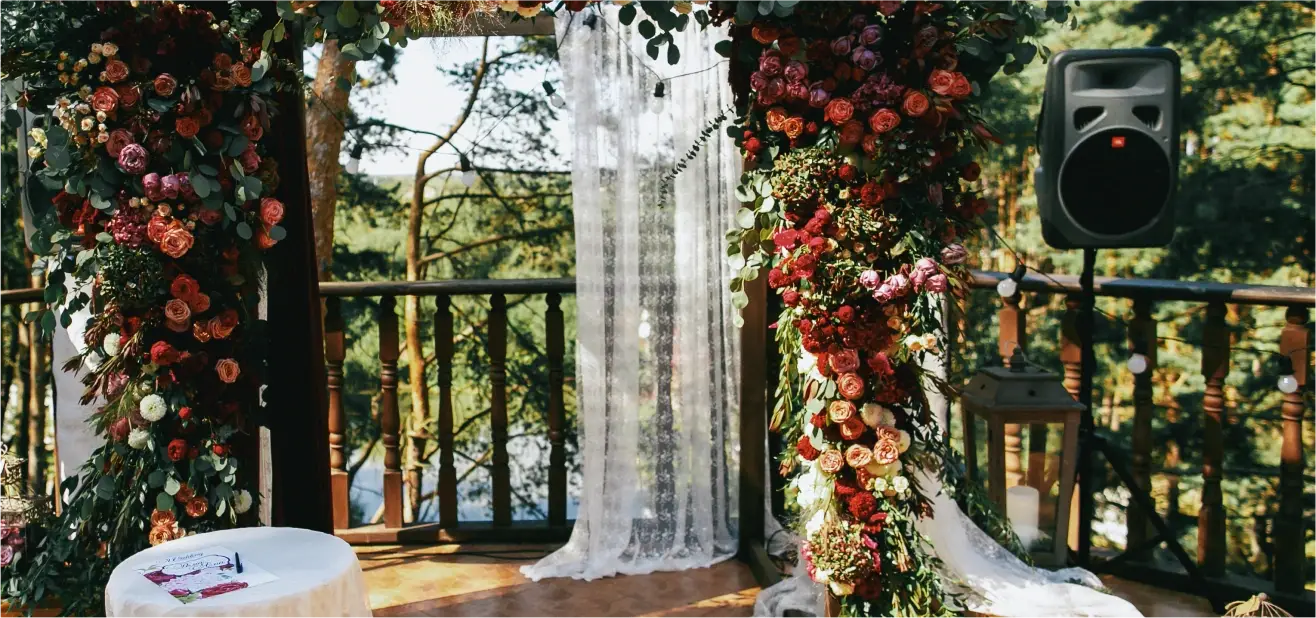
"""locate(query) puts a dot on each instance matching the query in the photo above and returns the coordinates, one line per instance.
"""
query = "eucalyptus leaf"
(171, 486)
(278, 233)
(244, 230)
(164, 502)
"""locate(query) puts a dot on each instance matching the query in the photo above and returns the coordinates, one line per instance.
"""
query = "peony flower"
(797, 91)
(242, 501)
(138, 438)
(883, 120)
(758, 82)
(850, 385)
(831, 461)
(105, 99)
(110, 344)
(875, 415)
(804, 447)
(954, 254)
(840, 411)
(887, 451)
(228, 370)
(858, 456)
(133, 159)
(176, 241)
(152, 408)
(915, 104)
(169, 186)
(869, 279)
(177, 310)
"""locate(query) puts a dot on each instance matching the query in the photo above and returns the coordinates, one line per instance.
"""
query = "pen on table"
(237, 560)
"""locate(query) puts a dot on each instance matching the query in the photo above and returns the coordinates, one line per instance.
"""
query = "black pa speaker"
(1109, 144)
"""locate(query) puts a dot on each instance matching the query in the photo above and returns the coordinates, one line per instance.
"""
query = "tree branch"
(492, 240)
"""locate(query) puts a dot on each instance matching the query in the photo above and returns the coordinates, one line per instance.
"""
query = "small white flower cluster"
(153, 408)
(111, 344)
(138, 438)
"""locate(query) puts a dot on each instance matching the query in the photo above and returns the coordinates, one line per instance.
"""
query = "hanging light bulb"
(1137, 363)
(354, 162)
(468, 172)
(659, 97)
(1288, 383)
(1009, 286)
(554, 98)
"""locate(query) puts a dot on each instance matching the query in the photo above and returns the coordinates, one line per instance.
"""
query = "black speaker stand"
(1090, 441)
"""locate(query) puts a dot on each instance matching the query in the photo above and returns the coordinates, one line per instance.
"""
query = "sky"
(423, 98)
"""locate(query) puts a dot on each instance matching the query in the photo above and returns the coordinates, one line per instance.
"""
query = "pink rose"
(770, 64)
(924, 268)
(869, 279)
(271, 211)
(870, 35)
(865, 59)
(164, 84)
(894, 287)
(936, 283)
(249, 159)
(819, 97)
(954, 254)
(841, 46)
(176, 310)
(153, 186)
(796, 71)
(116, 71)
(228, 370)
(838, 111)
(105, 99)
(797, 90)
(887, 451)
(883, 120)
(133, 159)
(169, 186)
(844, 362)
(757, 81)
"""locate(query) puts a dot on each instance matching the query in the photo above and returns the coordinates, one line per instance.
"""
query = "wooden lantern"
(1037, 500)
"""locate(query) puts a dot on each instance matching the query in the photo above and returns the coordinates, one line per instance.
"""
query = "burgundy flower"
(776, 88)
(770, 64)
(870, 35)
(169, 186)
(819, 97)
(796, 71)
(797, 90)
(841, 46)
(118, 139)
(865, 59)
(133, 159)
(127, 227)
(758, 81)
(153, 186)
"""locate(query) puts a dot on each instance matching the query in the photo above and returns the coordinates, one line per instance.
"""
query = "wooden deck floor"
(485, 580)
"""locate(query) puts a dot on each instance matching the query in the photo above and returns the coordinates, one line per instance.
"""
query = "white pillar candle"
(1021, 507)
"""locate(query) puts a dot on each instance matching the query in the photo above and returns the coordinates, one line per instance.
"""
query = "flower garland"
(858, 145)
(162, 204)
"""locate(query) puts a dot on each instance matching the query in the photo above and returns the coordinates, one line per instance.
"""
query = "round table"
(318, 575)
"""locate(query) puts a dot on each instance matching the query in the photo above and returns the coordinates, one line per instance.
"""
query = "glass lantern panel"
(1033, 487)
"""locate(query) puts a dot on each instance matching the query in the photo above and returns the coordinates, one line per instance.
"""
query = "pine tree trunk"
(324, 143)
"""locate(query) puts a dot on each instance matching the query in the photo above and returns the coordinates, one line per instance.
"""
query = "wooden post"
(334, 353)
(1071, 358)
(1142, 339)
(1013, 334)
(502, 482)
(443, 362)
(1290, 548)
(754, 412)
(389, 422)
(554, 338)
(1211, 517)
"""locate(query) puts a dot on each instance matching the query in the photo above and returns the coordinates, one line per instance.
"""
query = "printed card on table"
(204, 573)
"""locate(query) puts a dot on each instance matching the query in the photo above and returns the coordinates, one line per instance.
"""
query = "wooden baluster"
(502, 482)
(1142, 339)
(1013, 334)
(1211, 517)
(443, 361)
(389, 421)
(1071, 358)
(557, 459)
(1290, 548)
(334, 352)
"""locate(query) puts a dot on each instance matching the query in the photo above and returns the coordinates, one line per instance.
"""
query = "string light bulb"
(554, 98)
(354, 162)
(659, 97)
(1288, 383)
(468, 172)
(1137, 363)
(1009, 286)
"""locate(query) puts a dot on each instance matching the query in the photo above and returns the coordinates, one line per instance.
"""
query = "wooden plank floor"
(485, 580)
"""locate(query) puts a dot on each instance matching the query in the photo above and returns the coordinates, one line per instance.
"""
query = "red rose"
(838, 110)
(105, 99)
(883, 120)
(960, 87)
(845, 314)
(186, 127)
(185, 413)
(184, 288)
(163, 354)
(971, 172)
(252, 128)
(940, 82)
(128, 95)
(806, 450)
(915, 104)
(872, 194)
(851, 133)
(844, 361)
(753, 144)
(118, 139)
(115, 71)
(218, 449)
(777, 279)
(790, 297)
(177, 449)
(165, 84)
(848, 172)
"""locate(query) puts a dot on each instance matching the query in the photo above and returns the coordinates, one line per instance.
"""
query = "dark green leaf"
(238, 145)
(723, 48)
(164, 502)
(347, 15)
(159, 105)
(278, 233)
(673, 54)
(646, 29)
(244, 231)
(627, 14)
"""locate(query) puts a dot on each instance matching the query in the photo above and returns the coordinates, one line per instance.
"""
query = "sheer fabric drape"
(657, 350)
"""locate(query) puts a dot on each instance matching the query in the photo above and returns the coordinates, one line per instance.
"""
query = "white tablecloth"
(318, 575)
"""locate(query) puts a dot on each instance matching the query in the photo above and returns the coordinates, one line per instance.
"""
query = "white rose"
(815, 523)
(875, 415)
(242, 502)
(841, 588)
(879, 484)
(153, 408)
(137, 438)
(806, 363)
(900, 484)
(914, 343)
(929, 342)
(111, 344)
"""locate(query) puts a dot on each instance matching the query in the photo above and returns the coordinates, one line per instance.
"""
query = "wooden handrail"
(24, 295)
(1158, 289)
(450, 287)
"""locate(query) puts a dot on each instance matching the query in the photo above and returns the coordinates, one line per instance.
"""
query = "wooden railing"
(448, 527)
(1288, 537)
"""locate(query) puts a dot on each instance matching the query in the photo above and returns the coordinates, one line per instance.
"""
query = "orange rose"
(187, 127)
(155, 229)
(840, 411)
(915, 104)
(176, 241)
(271, 211)
(960, 87)
(858, 456)
(242, 74)
(838, 110)
(765, 34)
(116, 71)
(160, 534)
(794, 127)
(228, 370)
(201, 332)
(222, 325)
(883, 120)
(831, 461)
(940, 82)
(199, 303)
(184, 493)
(176, 310)
(197, 507)
(162, 518)
(776, 118)
(850, 385)
(887, 451)
(852, 428)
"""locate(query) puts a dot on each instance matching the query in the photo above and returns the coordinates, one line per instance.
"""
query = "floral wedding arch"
(169, 155)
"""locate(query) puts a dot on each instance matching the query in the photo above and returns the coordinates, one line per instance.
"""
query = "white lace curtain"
(658, 362)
